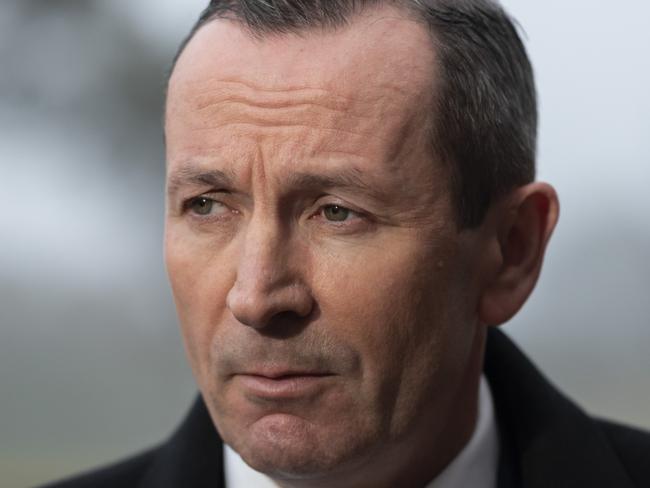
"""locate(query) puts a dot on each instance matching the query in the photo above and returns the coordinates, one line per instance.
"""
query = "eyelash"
(354, 220)
(186, 208)
(323, 208)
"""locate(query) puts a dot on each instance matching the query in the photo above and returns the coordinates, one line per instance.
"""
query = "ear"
(522, 227)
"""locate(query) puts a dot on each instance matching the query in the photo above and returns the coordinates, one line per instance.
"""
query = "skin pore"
(310, 234)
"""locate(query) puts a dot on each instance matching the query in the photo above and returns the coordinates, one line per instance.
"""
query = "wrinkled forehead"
(381, 62)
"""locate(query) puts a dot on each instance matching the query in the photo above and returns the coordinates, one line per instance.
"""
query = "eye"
(336, 213)
(204, 206)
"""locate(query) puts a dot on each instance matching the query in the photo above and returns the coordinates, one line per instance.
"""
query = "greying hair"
(486, 110)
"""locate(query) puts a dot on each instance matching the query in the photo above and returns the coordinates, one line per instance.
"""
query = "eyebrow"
(346, 178)
(191, 176)
(349, 178)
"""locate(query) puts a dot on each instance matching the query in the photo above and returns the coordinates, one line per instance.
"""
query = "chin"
(285, 446)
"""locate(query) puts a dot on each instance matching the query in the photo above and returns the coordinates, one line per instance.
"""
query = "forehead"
(383, 43)
(371, 82)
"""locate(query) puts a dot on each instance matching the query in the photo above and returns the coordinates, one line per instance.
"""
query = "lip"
(282, 385)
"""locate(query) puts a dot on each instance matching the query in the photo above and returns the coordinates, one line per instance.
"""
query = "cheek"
(387, 305)
(199, 286)
(396, 305)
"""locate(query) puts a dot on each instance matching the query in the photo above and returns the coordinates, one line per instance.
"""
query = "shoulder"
(191, 456)
(125, 473)
(632, 446)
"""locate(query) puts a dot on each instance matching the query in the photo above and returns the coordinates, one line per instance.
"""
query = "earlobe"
(523, 229)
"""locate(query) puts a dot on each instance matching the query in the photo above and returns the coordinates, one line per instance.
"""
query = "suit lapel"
(546, 439)
(192, 457)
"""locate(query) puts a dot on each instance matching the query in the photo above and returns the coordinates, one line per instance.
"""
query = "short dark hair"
(486, 110)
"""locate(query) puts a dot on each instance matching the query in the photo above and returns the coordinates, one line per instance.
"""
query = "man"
(351, 211)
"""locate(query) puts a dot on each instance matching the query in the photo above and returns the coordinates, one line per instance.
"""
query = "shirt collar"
(476, 465)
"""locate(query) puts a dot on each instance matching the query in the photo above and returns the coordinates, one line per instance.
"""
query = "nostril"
(284, 325)
(249, 309)
(288, 305)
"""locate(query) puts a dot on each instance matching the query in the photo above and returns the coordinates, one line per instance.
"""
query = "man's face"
(326, 299)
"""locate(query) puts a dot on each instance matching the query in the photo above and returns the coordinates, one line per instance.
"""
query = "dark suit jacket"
(546, 441)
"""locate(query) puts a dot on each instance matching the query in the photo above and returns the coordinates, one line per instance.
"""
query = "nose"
(268, 282)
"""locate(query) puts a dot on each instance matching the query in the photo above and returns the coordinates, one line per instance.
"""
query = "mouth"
(282, 384)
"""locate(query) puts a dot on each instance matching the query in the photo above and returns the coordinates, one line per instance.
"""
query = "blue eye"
(336, 213)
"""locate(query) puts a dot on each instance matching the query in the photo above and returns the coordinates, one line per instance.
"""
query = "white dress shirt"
(475, 466)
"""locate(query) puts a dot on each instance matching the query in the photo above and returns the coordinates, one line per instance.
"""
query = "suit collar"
(191, 457)
(546, 439)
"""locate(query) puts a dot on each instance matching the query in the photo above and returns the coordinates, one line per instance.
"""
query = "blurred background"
(91, 363)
